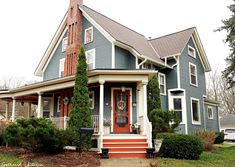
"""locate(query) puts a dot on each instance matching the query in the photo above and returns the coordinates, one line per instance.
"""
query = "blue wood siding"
(52, 70)
(103, 48)
(192, 91)
(212, 124)
(124, 59)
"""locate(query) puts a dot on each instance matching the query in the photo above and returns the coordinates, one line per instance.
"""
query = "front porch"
(118, 97)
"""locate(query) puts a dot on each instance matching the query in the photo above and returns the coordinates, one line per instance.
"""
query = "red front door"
(121, 111)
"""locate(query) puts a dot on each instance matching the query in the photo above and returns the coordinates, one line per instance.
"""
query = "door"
(121, 111)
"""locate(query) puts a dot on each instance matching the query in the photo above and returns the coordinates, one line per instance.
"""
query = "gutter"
(142, 62)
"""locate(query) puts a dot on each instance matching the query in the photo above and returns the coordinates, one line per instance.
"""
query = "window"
(191, 51)
(195, 111)
(64, 44)
(193, 74)
(92, 99)
(210, 112)
(162, 83)
(90, 59)
(148, 66)
(61, 68)
(88, 35)
(46, 108)
(58, 104)
(177, 104)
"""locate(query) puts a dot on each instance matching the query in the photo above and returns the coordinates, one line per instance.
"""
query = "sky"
(27, 26)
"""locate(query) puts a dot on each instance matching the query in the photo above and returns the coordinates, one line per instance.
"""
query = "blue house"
(120, 64)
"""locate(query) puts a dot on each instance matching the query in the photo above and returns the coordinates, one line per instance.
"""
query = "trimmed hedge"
(37, 134)
(220, 138)
(180, 146)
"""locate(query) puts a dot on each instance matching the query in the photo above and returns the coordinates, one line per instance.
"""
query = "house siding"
(103, 48)
(52, 70)
(212, 124)
(192, 91)
(124, 59)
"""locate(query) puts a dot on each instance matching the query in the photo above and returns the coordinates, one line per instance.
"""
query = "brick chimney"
(74, 25)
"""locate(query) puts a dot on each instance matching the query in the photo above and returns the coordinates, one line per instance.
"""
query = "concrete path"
(125, 162)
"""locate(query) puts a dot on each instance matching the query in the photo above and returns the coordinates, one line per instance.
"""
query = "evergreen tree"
(229, 27)
(153, 95)
(80, 116)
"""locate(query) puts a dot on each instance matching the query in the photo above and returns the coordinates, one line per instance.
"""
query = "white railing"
(146, 128)
(95, 121)
(60, 122)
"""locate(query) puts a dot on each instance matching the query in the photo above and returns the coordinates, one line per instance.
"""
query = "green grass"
(223, 156)
(9, 160)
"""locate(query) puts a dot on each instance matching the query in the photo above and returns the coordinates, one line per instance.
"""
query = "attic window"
(64, 44)
(88, 35)
(191, 51)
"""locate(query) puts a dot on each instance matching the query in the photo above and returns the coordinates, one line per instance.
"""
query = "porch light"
(123, 88)
(22, 103)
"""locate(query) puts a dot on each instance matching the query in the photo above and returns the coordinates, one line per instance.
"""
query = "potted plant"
(135, 128)
(107, 125)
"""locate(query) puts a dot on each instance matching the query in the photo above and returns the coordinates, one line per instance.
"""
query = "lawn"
(9, 160)
(224, 156)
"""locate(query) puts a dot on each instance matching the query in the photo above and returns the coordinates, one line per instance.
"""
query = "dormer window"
(64, 44)
(88, 35)
(191, 51)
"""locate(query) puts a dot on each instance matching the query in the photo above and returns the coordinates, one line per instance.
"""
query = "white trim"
(199, 113)
(113, 56)
(212, 112)
(60, 67)
(88, 29)
(164, 79)
(94, 55)
(191, 64)
(211, 104)
(93, 99)
(192, 50)
(64, 44)
(178, 72)
(112, 98)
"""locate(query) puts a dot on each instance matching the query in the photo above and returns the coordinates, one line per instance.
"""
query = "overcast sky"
(27, 26)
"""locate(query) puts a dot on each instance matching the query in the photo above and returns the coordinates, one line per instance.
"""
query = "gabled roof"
(124, 35)
(174, 44)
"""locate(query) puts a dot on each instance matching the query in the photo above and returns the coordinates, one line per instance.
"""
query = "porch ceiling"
(95, 76)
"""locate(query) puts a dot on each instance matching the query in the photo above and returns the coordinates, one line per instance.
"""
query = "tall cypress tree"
(80, 115)
(153, 95)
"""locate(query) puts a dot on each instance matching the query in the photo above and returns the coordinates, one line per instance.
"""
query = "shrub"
(37, 134)
(180, 146)
(208, 139)
(220, 138)
(3, 126)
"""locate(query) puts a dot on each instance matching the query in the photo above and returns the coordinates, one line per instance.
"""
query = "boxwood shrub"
(37, 134)
(180, 146)
(220, 138)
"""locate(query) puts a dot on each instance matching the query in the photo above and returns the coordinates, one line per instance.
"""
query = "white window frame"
(93, 99)
(199, 113)
(60, 68)
(86, 30)
(191, 64)
(87, 52)
(159, 80)
(193, 50)
(64, 44)
(176, 110)
(212, 112)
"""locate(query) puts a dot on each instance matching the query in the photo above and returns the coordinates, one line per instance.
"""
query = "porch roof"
(94, 76)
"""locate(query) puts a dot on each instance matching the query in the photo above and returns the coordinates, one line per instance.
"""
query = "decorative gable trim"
(51, 48)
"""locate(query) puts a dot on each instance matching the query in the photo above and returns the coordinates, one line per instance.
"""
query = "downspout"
(142, 62)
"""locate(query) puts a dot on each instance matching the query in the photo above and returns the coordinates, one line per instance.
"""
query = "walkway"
(125, 162)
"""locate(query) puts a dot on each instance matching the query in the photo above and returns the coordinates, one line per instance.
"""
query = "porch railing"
(146, 128)
(62, 122)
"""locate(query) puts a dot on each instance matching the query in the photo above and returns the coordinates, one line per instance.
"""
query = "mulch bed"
(63, 159)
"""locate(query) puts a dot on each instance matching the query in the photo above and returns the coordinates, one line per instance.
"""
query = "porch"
(116, 96)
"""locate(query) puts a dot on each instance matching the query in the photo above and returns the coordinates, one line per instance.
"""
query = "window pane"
(88, 34)
(162, 80)
(177, 104)
(179, 114)
(210, 115)
(193, 70)
(162, 90)
(193, 79)
(195, 110)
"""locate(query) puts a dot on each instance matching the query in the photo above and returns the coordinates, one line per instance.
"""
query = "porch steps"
(121, 146)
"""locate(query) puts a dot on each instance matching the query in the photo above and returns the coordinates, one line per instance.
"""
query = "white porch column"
(13, 109)
(145, 112)
(101, 115)
(29, 110)
(39, 109)
(7, 110)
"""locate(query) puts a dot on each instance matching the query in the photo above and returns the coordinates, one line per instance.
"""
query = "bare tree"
(13, 82)
(217, 89)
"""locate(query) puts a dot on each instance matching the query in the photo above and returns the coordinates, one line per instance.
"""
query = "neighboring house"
(120, 63)
(227, 122)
